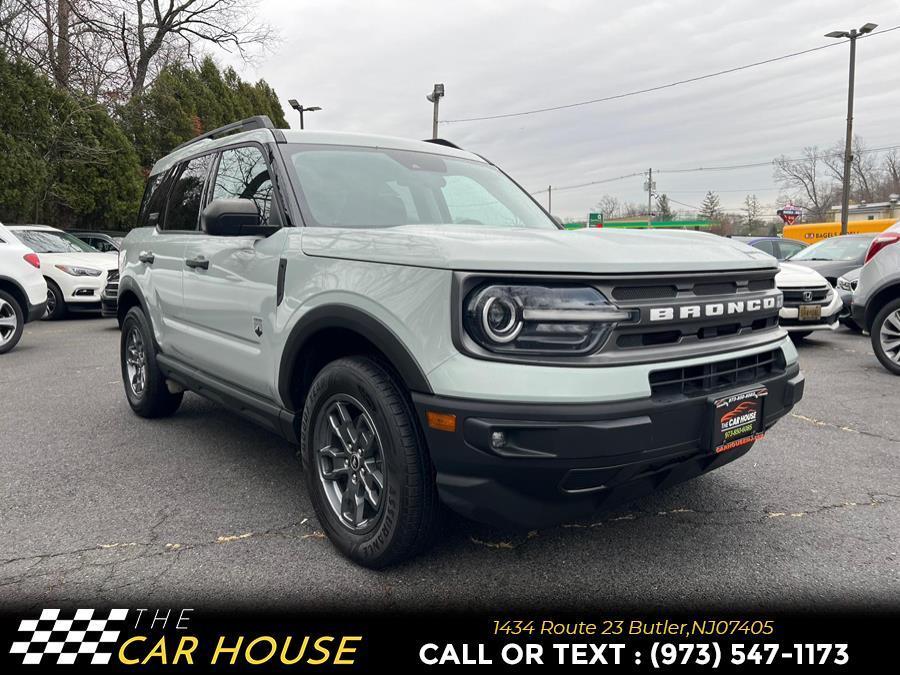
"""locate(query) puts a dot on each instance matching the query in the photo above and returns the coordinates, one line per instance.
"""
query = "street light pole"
(848, 140)
(435, 97)
(302, 109)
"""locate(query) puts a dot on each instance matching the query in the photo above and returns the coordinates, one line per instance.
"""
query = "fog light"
(498, 440)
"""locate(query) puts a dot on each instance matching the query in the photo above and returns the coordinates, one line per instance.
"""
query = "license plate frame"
(736, 419)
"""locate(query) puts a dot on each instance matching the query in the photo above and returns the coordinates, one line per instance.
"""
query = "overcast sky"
(370, 64)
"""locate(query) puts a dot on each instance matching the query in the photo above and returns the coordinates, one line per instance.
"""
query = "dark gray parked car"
(834, 257)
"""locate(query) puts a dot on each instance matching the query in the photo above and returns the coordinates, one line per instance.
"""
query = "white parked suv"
(810, 303)
(426, 332)
(23, 292)
(75, 271)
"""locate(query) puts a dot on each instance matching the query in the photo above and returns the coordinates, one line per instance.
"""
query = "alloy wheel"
(350, 462)
(51, 303)
(9, 322)
(890, 336)
(136, 362)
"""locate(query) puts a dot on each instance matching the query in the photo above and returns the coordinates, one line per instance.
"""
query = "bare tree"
(809, 183)
(115, 48)
(892, 172)
(609, 206)
(865, 170)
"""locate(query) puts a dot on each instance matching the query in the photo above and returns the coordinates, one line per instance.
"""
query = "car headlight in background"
(121, 260)
(540, 318)
(76, 271)
(845, 285)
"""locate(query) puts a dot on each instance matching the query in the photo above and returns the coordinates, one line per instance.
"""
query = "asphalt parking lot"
(205, 509)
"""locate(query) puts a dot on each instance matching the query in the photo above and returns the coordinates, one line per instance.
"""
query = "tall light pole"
(301, 109)
(435, 96)
(851, 34)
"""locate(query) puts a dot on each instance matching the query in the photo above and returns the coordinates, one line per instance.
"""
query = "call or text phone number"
(710, 654)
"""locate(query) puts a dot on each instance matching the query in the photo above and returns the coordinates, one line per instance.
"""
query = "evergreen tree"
(663, 208)
(710, 208)
(65, 162)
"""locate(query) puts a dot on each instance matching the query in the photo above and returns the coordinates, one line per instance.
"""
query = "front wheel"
(12, 322)
(367, 469)
(145, 386)
(56, 305)
(885, 335)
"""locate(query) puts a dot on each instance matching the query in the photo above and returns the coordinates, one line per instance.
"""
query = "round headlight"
(500, 319)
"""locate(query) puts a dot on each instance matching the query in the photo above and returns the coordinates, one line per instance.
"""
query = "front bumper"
(567, 461)
(789, 316)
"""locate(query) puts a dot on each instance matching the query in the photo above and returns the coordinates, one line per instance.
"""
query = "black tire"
(152, 397)
(56, 305)
(799, 335)
(404, 523)
(884, 328)
(12, 322)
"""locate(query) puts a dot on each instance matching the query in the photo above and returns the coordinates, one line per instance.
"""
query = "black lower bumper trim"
(533, 465)
(35, 312)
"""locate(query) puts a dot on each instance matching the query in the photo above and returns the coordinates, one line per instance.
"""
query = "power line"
(730, 167)
(661, 86)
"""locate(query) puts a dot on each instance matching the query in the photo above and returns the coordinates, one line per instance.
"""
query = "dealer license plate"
(737, 419)
(810, 312)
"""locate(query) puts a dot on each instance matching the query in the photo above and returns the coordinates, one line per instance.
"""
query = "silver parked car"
(876, 302)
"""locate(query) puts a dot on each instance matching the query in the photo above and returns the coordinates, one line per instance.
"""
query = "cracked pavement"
(205, 509)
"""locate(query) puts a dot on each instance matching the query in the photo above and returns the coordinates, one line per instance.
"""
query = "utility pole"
(650, 187)
(848, 141)
(435, 97)
(550, 199)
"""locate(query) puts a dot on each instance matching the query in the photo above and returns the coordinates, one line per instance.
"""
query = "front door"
(230, 282)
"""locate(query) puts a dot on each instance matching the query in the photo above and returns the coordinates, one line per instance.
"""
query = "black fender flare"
(129, 285)
(358, 321)
(892, 287)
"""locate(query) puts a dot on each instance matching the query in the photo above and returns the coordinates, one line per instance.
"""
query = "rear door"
(174, 209)
(230, 283)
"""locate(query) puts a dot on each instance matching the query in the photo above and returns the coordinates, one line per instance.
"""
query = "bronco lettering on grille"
(713, 309)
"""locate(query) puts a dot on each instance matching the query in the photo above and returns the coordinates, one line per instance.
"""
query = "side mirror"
(233, 218)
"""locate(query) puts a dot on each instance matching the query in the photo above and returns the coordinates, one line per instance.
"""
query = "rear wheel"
(367, 468)
(145, 386)
(56, 305)
(12, 322)
(886, 336)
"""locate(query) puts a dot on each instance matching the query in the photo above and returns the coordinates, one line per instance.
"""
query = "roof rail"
(255, 122)
(444, 142)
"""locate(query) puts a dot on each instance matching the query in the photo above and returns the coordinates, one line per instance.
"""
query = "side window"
(183, 210)
(766, 246)
(243, 174)
(153, 201)
(470, 203)
(788, 249)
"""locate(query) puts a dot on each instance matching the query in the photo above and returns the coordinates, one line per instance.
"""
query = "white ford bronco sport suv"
(426, 332)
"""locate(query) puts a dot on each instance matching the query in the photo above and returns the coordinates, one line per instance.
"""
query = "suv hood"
(480, 248)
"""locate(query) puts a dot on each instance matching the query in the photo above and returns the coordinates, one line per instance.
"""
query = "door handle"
(146, 257)
(198, 262)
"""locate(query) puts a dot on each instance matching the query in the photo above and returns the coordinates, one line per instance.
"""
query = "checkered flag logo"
(65, 640)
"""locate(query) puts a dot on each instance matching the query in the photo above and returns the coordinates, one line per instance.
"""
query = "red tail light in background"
(32, 259)
(882, 240)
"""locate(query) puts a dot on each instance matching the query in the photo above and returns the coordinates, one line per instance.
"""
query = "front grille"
(643, 292)
(112, 275)
(710, 378)
(795, 295)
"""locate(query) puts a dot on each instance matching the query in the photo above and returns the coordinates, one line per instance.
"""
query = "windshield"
(838, 248)
(341, 186)
(48, 241)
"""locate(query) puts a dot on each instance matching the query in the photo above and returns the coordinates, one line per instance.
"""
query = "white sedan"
(810, 303)
(75, 271)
